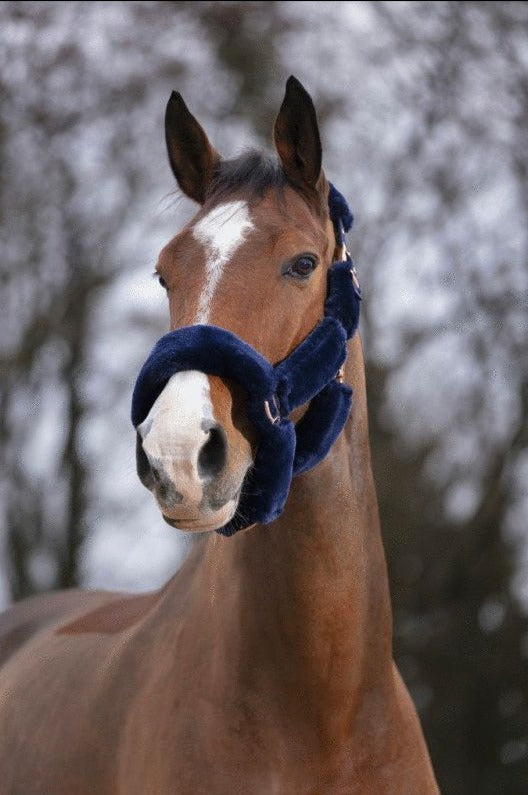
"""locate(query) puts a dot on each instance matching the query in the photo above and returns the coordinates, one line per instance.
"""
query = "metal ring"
(341, 252)
(273, 419)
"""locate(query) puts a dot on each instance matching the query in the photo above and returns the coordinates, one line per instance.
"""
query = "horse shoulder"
(24, 619)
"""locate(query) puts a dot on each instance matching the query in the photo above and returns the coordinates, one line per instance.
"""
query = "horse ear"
(296, 136)
(191, 156)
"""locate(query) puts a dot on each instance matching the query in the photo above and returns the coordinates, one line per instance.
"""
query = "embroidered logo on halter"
(311, 373)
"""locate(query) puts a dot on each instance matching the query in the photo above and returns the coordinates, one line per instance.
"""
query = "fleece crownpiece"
(308, 374)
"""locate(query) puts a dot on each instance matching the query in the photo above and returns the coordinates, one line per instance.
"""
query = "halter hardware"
(274, 419)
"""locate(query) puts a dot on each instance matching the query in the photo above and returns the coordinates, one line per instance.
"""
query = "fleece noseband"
(311, 373)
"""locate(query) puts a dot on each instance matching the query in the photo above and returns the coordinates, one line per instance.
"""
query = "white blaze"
(176, 429)
(221, 232)
(177, 425)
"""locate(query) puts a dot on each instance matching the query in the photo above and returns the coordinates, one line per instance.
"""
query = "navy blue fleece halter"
(311, 372)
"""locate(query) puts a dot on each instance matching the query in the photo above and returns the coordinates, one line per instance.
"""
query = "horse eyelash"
(161, 280)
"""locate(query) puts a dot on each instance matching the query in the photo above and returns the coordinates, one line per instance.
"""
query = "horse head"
(253, 261)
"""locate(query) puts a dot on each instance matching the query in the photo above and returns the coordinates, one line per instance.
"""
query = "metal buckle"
(341, 252)
(274, 419)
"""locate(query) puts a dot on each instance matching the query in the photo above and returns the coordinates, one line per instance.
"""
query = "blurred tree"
(247, 38)
(460, 630)
(66, 122)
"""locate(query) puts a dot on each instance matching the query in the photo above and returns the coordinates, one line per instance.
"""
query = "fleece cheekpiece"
(307, 374)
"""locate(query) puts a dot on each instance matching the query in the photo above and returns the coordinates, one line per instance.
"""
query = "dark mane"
(253, 171)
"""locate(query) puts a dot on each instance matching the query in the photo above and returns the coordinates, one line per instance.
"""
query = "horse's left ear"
(191, 156)
(296, 136)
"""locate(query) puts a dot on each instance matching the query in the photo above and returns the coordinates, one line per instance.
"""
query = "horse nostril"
(144, 469)
(212, 457)
(154, 478)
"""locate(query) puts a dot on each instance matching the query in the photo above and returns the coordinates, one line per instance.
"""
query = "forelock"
(252, 172)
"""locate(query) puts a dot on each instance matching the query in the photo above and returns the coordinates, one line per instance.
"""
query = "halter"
(312, 372)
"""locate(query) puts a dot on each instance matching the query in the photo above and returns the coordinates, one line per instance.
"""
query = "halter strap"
(312, 373)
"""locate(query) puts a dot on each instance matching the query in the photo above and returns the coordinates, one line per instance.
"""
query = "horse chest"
(220, 752)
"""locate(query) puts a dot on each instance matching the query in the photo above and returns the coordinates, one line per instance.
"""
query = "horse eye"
(162, 282)
(302, 267)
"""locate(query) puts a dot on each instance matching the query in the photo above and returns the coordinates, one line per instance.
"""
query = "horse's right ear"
(191, 156)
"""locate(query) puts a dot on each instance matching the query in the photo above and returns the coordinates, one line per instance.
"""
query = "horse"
(264, 666)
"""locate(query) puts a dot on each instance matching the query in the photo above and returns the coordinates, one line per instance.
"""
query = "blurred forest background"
(424, 115)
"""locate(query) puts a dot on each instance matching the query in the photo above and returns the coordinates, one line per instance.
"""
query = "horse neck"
(301, 606)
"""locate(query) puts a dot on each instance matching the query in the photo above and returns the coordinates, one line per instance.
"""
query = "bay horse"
(264, 666)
